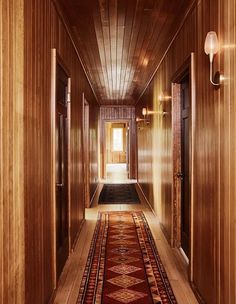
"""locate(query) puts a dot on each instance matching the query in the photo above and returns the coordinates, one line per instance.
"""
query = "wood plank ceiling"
(121, 42)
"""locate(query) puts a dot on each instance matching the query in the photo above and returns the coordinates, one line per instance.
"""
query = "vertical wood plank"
(11, 152)
(45, 29)
(213, 187)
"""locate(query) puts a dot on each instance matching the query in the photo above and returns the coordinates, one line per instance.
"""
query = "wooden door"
(62, 227)
(185, 172)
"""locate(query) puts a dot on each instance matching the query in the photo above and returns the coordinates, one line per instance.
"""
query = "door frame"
(56, 59)
(103, 145)
(188, 66)
(86, 151)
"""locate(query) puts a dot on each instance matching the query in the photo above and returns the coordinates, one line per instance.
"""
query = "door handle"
(179, 175)
(60, 185)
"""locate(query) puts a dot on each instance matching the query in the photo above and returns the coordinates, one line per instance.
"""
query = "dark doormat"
(119, 194)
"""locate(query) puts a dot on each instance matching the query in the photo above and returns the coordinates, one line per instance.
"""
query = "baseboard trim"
(77, 236)
(197, 293)
(53, 295)
(94, 194)
(184, 255)
(166, 234)
(147, 201)
(153, 211)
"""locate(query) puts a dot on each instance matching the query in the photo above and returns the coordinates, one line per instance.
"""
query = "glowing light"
(211, 45)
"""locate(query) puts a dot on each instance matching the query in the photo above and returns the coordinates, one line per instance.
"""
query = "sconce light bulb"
(211, 46)
(164, 97)
(144, 111)
(161, 97)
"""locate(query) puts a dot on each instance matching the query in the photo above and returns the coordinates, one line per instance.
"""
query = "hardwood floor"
(173, 262)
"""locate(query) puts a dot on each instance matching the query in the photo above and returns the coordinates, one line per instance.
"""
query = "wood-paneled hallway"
(131, 92)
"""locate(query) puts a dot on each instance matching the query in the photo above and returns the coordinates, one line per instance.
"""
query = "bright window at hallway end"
(117, 139)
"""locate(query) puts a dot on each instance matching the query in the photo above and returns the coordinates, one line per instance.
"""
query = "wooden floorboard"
(172, 260)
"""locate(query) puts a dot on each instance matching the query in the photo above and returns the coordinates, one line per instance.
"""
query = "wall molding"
(197, 293)
(94, 194)
(147, 201)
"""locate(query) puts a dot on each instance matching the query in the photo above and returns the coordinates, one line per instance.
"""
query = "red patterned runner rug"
(123, 265)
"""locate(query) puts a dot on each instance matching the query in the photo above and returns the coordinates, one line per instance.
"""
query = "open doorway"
(116, 159)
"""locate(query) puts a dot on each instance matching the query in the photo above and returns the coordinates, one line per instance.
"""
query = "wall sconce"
(139, 119)
(145, 119)
(211, 48)
(141, 123)
(163, 97)
(164, 113)
(146, 112)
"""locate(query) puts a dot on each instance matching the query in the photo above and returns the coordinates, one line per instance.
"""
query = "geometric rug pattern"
(119, 193)
(123, 264)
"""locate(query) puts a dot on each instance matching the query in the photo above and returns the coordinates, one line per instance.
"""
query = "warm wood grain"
(86, 152)
(213, 155)
(122, 42)
(227, 178)
(44, 30)
(11, 152)
(176, 148)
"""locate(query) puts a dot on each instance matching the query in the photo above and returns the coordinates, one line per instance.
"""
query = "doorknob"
(59, 185)
(179, 175)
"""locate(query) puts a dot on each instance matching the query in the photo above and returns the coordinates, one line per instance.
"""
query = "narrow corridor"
(113, 92)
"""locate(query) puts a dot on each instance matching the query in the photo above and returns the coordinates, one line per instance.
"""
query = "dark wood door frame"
(86, 151)
(55, 60)
(103, 144)
(184, 176)
(189, 67)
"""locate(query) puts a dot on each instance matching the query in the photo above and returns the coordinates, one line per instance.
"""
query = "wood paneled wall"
(44, 30)
(93, 133)
(116, 114)
(214, 154)
(227, 152)
(11, 152)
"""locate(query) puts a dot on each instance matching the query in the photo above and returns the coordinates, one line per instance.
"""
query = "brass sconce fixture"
(147, 112)
(141, 123)
(139, 119)
(163, 97)
(145, 116)
(211, 48)
(143, 120)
